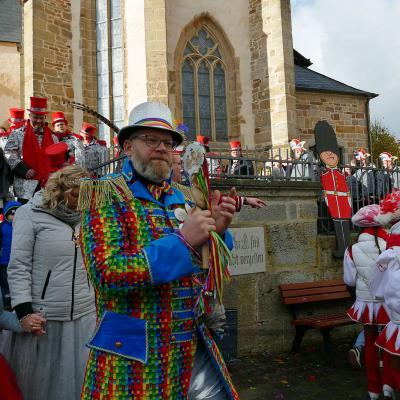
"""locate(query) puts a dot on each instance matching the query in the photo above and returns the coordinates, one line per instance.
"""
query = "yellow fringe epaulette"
(96, 193)
(187, 192)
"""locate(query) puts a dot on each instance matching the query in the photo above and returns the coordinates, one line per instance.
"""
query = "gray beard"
(148, 172)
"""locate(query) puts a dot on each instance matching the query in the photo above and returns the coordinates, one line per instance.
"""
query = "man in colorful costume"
(25, 151)
(335, 190)
(148, 343)
(74, 142)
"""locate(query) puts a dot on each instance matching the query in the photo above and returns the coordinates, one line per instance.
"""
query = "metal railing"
(367, 184)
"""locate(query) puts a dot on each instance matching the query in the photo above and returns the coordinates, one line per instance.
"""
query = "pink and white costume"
(359, 266)
(387, 285)
(370, 310)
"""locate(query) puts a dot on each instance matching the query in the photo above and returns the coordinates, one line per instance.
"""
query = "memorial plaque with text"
(248, 251)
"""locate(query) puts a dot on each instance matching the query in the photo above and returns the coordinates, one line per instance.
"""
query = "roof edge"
(363, 93)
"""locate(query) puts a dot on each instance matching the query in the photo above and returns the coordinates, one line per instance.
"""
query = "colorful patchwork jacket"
(146, 337)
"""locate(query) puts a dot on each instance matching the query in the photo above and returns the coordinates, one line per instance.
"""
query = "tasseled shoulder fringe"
(96, 193)
(186, 190)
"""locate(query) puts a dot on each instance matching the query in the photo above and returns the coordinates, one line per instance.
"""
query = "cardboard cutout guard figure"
(335, 190)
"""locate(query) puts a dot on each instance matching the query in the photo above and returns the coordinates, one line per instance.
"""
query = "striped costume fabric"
(124, 241)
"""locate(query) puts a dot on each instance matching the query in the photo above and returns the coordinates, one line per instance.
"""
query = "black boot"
(342, 231)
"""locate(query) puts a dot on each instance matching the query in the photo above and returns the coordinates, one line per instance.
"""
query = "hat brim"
(59, 120)
(125, 132)
(15, 123)
(38, 112)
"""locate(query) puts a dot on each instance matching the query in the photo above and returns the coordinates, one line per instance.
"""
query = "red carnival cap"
(88, 129)
(366, 216)
(204, 140)
(389, 208)
(179, 150)
(385, 156)
(235, 144)
(361, 154)
(38, 105)
(58, 117)
(297, 144)
(16, 116)
(57, 154)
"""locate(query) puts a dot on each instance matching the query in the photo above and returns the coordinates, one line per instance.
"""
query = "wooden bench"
(297, 294)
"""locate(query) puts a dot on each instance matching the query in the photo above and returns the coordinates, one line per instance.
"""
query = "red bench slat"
(316, 298)
(324, 321)
(313, 291)
(306, 285)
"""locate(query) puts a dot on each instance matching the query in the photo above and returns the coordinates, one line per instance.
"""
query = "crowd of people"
(100, 277)
(28, 153)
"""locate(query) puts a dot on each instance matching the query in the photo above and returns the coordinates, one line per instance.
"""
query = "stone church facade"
(227, 69)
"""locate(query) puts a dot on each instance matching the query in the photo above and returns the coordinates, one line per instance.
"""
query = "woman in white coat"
(359, 270)
(47, 278)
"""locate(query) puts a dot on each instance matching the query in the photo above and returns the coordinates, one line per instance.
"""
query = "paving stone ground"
(305, 376)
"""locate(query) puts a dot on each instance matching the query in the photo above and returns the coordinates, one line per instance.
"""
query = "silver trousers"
(205, 383)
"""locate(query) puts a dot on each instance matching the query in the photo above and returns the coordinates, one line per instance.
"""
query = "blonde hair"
(60, 184)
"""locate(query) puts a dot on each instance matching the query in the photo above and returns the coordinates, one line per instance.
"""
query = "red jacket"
(336, 193)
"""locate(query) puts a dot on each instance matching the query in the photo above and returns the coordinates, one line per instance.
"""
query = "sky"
(356, 42)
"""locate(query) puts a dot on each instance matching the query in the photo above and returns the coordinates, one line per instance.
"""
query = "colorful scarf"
(34, 155)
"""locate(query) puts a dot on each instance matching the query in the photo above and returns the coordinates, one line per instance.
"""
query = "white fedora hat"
(150, 115)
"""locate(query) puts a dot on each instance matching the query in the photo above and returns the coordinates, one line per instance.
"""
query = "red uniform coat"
(336, 193)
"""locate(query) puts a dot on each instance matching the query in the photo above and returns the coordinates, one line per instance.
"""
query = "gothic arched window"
(204, 90)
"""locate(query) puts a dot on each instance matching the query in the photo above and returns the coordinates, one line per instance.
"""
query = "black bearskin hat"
(325, 138)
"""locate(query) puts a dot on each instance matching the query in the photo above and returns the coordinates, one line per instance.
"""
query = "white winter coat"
(46, 267)
(359, 269)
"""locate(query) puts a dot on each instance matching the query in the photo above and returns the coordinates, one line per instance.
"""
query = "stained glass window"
(110, 98)
(204, 90)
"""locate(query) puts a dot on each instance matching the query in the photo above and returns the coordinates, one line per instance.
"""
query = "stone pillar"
(259, 75)
(48, 53)
(156, 50)
(86, 61)
(276, 17)
(59, 54)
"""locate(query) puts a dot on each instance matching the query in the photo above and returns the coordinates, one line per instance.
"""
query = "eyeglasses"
(153, 142)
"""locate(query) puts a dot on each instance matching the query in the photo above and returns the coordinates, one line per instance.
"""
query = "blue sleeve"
(8, 320)
(169, 259)
(228, 239)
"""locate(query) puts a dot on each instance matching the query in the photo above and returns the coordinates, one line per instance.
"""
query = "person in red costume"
(60, 156)
(25, 151)
(17, 118)
(95, 151)
(63, 133)
(335, 190)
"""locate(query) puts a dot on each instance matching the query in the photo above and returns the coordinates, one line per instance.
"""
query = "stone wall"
(47, 34)
(294, 253)
(51, 68)
(347, 115)
(9, 79)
